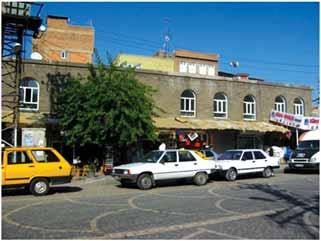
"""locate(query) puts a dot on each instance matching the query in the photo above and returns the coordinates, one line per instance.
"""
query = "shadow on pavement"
(289, 216)
(54, 189)
(301, 171)
(64, 189)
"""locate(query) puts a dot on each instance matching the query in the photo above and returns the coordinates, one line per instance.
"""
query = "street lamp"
(16, 48)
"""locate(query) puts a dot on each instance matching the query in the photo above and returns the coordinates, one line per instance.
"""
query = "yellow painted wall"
(148, 63)
(25, 117)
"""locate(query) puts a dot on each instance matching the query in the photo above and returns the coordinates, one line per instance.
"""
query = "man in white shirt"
(162, 147)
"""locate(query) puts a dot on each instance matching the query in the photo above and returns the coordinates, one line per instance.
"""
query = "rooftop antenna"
(234, 64)
(167, 38)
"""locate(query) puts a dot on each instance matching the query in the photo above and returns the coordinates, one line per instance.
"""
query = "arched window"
(188, 103)
(249, 108)
(280, 104)
(298, 106)
(29, 94)
(220, 106)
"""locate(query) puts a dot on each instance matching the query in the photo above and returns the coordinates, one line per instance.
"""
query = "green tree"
(108, 107)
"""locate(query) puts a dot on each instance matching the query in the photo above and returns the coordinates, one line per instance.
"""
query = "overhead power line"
(268, 62)
(124, 44)
(155, 43)
(275, 69)
(151, 43)
(130, 41)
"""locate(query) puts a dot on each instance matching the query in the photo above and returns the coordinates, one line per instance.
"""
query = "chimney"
(161, 54)
(241, 76)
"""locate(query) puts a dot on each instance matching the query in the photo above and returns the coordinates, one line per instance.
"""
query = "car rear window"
(247, 156)
(186, 156)
(209, 154)
(259, 155)
(45, 156)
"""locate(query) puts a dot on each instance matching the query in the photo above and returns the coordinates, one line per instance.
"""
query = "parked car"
(164, 165)
(243, 161)
(210, 154)
(307, 155)
(35, 168)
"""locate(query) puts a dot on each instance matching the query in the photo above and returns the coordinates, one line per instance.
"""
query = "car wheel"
(267, 172)
(145, 182)
(39, 187)
(231, 174)
(200, 178)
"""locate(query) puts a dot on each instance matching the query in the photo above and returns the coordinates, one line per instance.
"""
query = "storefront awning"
(208, 124)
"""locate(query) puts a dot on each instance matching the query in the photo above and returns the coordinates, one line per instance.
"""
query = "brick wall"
(78, 41)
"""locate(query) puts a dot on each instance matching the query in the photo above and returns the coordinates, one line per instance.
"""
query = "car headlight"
(126, 172)
(315, 157)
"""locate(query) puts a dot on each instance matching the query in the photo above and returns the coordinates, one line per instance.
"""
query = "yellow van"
(34, 167)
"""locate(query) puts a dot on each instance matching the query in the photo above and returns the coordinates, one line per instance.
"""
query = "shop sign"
(33, 136)
(300, 122)
(190, 140)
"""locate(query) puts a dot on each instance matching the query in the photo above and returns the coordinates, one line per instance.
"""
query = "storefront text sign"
(300, 122)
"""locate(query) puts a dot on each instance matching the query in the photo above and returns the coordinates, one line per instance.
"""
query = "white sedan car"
(242, 161)
(165, 165)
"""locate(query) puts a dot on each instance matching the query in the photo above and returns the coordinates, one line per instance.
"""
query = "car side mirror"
(162, 162)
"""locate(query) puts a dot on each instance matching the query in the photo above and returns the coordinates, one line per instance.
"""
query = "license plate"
(299, 165)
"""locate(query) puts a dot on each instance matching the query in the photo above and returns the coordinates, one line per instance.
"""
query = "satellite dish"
(234, 64)
(36, 56)
(42, 28)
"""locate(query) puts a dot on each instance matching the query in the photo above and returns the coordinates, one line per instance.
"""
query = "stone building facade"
(232, 131)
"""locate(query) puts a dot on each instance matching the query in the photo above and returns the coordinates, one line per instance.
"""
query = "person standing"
(162, 147)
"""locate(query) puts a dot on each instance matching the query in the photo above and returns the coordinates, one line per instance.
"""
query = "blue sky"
(278, 42)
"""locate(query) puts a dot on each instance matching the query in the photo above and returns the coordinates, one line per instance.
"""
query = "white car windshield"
(231, 155)
(313, 144)
(152, 157)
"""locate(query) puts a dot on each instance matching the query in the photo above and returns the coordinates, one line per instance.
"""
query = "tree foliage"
(108, 107)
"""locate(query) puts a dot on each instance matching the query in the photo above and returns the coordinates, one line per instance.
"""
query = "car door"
(188, 164)
(19, 168)
(260, 160)
(247, 164)
(47, 163)
(167, 166)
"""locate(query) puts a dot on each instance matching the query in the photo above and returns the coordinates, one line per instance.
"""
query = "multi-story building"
(224, 111)
(63, 42)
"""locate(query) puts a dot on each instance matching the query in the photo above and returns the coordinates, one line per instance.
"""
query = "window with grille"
(298, 106)
(29, 94)
(211, 70)
(64, 54)
(280, 104)
(249, 108)
(183, 67)
(192, 68)
(188, 103)
(220, 106)
(202, 69)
